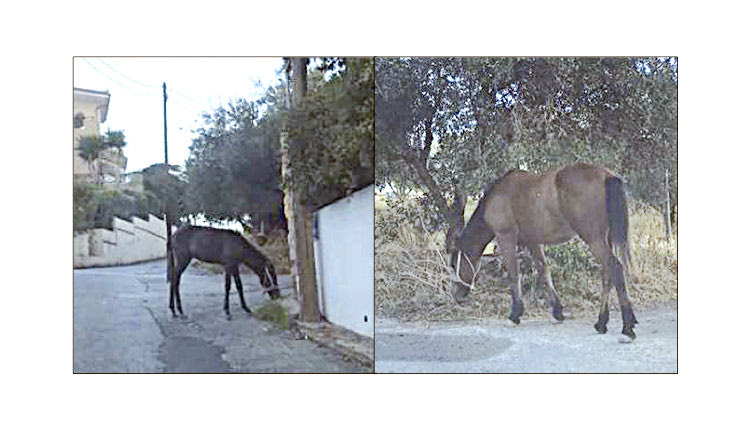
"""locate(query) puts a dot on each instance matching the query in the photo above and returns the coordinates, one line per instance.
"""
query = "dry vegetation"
(412, 282)
(277, 249)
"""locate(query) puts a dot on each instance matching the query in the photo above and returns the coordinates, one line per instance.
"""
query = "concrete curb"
(349, 344)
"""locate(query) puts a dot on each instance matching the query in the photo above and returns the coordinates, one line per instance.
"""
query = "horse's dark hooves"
(247, 310)
(512, 323)
(557, 312)
(601, 328)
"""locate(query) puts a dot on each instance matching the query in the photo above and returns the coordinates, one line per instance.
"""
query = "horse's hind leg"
(602, 253)
(601, 324)
(238, 284)
(227, 287)
(617, 277)
(613, 273)
(181, 262)
(541, 264)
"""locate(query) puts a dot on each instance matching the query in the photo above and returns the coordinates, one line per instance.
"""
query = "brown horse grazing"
(552, 207)
(224, 247)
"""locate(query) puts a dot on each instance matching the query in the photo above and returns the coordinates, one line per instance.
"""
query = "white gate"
(345, 263)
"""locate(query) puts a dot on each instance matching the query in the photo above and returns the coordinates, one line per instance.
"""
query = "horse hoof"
(554, 320)
(511, 324)
(625, 339)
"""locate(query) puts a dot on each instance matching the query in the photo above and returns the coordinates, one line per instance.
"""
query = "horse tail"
(617, 216)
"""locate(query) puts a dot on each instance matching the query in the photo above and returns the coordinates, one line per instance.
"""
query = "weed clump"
(274, 313)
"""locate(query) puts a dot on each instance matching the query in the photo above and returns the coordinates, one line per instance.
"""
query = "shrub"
(84, 206)
(95, 206)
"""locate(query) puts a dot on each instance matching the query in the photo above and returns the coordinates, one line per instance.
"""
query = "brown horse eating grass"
(532, 210)
(224, 247)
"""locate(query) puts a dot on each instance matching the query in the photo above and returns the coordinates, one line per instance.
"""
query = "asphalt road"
(535, 346)
(122, 324)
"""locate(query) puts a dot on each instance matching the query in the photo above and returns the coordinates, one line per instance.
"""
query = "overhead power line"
(119, 84)
(145, 90)
(125, 76)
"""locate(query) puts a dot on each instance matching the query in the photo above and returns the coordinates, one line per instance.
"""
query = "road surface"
(122, 324)
(535, 346)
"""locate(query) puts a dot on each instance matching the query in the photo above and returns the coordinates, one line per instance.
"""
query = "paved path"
(122, 324)
(536, 346)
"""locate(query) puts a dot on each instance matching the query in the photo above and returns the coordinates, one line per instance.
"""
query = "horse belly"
(209, 252)
(547, 229)
(544, 222)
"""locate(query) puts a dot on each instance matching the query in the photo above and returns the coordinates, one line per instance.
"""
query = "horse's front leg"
(510, 260)
(238, 284)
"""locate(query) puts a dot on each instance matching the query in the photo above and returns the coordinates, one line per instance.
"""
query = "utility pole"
(167, 219)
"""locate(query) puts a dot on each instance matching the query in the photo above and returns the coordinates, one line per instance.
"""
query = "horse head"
(269, 282)
(462, 276)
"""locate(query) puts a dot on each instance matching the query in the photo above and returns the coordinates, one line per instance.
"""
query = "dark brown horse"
(224, 247)
(532, 210)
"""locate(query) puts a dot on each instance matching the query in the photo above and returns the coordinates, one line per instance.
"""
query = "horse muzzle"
(461, 294)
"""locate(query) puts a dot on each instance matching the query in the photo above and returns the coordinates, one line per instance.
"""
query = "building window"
(78, 120)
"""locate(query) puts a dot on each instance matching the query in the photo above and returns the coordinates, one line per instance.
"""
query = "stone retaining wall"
(128, 242)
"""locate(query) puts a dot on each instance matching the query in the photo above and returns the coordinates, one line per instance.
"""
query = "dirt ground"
(535, 346)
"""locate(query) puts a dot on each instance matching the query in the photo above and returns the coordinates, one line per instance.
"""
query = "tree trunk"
(289, 215)
(300, 235)
(668, 214)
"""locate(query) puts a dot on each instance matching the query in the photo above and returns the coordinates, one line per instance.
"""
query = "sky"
(194, 85)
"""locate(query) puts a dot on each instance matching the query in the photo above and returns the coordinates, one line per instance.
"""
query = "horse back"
(552, 206)
(211, 245)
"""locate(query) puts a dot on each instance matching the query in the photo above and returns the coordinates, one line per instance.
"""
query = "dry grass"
(277, 249)
(654, 259)
(413, 283)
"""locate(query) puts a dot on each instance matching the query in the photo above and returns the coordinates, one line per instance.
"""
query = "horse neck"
(255, 261)
(476, 235)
